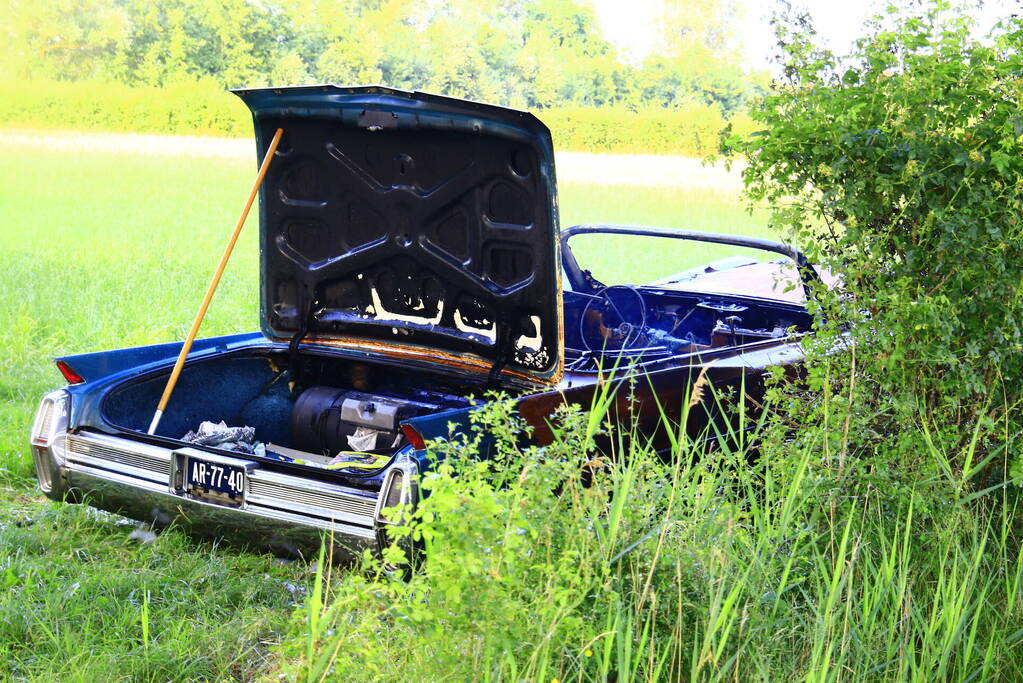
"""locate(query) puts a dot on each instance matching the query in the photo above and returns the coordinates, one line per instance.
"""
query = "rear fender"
(100, 364)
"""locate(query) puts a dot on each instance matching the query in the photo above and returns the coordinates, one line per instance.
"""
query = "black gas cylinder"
(316, 424)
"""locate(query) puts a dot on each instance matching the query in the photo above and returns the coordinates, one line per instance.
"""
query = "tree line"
(533, 54)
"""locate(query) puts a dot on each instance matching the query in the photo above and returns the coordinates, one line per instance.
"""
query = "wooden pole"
(187, 346)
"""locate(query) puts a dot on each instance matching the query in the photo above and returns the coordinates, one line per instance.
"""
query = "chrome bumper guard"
(280, 512)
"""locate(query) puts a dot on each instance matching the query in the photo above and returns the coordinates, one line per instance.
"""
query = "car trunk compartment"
(298, 404)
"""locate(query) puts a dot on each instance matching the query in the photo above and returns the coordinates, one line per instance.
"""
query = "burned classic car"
(411, 261)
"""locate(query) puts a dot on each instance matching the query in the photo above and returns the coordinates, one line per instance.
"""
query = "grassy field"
(803, 566)
(105, 251)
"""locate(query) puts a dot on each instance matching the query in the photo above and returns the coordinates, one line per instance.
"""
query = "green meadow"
(704, 568)
(101, 251)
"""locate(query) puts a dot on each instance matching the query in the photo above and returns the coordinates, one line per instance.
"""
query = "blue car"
(411, 259)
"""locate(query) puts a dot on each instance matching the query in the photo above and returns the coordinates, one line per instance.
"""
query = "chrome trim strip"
(117, 442)
(293, 481)
(147, 475)
(345, 529)
(137, 459)
(116, 477)
(319, 499)
(266, 502)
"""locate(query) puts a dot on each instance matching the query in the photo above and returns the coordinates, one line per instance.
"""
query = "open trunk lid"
(410, 224)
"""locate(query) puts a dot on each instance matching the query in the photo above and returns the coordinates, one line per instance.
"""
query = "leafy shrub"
(690, 130)
(199, 108)
(899, 166)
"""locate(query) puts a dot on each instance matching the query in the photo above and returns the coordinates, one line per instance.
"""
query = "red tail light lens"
(414, 437)
(70, 375)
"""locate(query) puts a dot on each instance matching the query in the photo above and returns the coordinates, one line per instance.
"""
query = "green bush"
(690, 130)
(203, 108)
(200, 108)
(900, 166)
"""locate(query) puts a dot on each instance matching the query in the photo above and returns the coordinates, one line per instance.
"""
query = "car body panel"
(100, 364)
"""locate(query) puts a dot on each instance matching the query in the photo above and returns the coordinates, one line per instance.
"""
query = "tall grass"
(84, 598)
(755, 561)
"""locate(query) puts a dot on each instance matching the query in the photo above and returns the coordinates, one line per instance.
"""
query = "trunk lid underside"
(410, 222)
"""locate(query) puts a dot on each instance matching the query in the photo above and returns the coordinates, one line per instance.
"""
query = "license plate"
(211, 477)
(214, 476)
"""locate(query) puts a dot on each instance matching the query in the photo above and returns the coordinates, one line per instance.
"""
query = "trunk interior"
(304, 407)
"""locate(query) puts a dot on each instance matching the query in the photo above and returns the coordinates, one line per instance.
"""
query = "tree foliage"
(527, 53)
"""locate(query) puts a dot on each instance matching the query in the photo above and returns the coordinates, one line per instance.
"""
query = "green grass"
(703, 569)
(621, 259)
(81, 600)
(101, 251)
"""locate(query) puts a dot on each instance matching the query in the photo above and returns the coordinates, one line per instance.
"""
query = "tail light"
(48, 439)
(396, 491)
(413, 436)
(398, 494)
(69, 373)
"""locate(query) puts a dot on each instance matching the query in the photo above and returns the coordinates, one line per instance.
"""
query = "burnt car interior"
(659, 323)
(305, 408)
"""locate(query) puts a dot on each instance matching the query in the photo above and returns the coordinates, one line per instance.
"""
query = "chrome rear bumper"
(282, 513)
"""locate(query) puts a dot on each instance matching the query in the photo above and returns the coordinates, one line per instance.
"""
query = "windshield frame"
(581, 280)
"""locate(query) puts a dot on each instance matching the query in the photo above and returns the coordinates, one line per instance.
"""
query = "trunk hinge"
(306, 308)
(504, 351)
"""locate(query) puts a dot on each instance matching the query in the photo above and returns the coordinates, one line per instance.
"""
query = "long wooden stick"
(176, 372)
